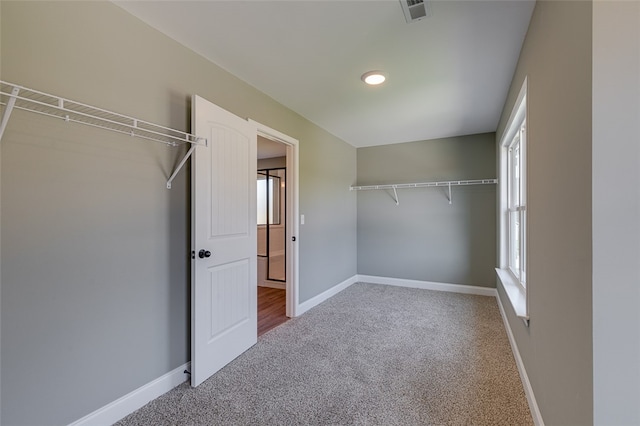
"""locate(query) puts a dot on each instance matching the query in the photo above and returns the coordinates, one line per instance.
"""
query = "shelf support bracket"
(8, 109)
(181, 164)
(449, 193)
(397, 200)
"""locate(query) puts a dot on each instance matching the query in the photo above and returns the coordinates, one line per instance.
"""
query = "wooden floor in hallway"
(271, 308)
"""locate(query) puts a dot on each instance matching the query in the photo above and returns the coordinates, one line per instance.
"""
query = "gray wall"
(424, 237)
(557, 346)
(95, 267)
(329, 233)
(616, 209)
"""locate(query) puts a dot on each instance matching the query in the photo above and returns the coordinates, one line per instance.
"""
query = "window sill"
(516, 294)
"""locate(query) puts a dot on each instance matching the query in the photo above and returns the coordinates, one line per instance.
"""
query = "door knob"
(204, 253)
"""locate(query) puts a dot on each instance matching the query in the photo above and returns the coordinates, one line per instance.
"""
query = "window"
(512, 270)
(516, 206)
(268, 203)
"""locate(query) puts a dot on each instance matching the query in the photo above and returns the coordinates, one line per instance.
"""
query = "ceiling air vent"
(415, 10)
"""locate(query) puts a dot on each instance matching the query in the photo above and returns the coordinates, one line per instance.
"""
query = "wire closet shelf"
(447, 183)
(22, 98)
(425, 184)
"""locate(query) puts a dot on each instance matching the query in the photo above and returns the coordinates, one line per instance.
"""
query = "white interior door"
(224, 244)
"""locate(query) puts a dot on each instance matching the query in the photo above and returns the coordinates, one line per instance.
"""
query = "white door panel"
(229, 298)
(224, 295)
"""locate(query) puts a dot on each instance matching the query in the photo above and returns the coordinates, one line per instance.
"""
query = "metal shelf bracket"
(396, 199)
(8, 110)
(180, 165)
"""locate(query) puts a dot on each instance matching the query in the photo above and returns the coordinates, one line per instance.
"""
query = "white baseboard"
(528, 390)
(129, 403)
(134, 400)
(316, 300)
(428, 285)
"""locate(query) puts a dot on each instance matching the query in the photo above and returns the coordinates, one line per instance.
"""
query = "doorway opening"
(275, 233)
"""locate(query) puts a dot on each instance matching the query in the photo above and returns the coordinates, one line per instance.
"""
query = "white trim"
(526, 384)
(316, 300)
(136, 399)
(292, 197)
(518, 114)
(429, 285)
(515, 292)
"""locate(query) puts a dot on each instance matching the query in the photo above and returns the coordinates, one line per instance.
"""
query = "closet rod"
(23, 98)
(425, 184)
(447, 183)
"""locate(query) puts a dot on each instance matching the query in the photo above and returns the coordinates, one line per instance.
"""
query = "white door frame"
(292, 251)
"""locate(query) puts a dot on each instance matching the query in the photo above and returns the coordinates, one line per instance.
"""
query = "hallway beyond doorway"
(271, 308)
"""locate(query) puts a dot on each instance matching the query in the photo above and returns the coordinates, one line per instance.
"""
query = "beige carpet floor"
(371, 355)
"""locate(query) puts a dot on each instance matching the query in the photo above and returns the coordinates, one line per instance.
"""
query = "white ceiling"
(448, 75)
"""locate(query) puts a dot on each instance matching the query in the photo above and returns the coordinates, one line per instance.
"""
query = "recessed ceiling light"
(373, 77)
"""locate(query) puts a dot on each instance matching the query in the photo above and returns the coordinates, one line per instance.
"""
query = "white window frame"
(516, 204)
(264, 207)
(512, 270)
